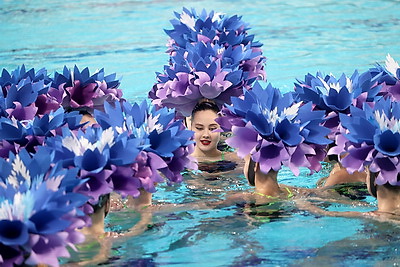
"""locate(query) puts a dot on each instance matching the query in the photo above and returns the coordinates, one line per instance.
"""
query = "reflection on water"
(247, 234)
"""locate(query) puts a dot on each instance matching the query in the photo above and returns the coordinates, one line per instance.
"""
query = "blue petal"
(48, 222)
(289, 133)
(338, 101)
(259, 122)
(388, 143)
(92, 161)
(360, 129)
(11, 133)
(124, 152)
(314, 133)
(25, 95)
(162, 144)
(13, 233)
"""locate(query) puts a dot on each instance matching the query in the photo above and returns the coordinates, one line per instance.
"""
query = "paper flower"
(22, 93)
(212, 56)
(274, 130)
(38, 215)
(336, 96)
(388, 77)
(80, 90)
(96, 153)
(190, 27)
(165, 143)
(372, 138)
(29, 134)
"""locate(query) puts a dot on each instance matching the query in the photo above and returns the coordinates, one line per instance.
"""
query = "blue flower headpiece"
(26, 94)
(39, 215)
(213, 57)
(388, 77)
(275, 130)
(165, 143)
(216, 28)
(80, 90)
(22, 93)
(336, 96)
(371, 137)
(97, 154)
(29, 134)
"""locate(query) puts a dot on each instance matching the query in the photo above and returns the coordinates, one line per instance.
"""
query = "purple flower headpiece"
(38, 215)
(80, 90)
(275, 130)
(29, 134)
(213, 57)
(23, 93)
(388, 77)
(336, 96)
(371, 137)
(97, 154)
(215, 28)
(165, 143)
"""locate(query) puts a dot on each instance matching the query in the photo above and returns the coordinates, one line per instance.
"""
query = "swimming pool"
(126, 37)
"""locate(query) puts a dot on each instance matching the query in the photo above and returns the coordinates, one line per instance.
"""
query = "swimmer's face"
(204, 124)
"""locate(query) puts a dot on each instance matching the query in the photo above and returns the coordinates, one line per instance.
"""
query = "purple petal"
(387, 167)
(270, 156)
(356, 158)
(147, 184)
(124, 182)
(97, 184)
(46, 250)
(244, 139)
(298, 158)
(22, 113)
(394, 91)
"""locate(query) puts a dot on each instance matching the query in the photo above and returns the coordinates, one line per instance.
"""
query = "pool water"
(299, 37)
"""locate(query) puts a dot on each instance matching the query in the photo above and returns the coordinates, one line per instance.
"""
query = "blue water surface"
(127, 37)
(299, 37)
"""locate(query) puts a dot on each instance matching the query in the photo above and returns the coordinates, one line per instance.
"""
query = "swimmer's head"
(373, 186)
(203, 105)
(205, 128)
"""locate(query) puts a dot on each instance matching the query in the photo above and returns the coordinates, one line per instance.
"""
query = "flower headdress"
(388, 77)
(165, 143)
(372, 138)
(23, 93)
(38, 213)
(29, 134)
(215, 28)
(97, 154)
(336, 96)
(274, 130)
(211, 57)
(81, 91)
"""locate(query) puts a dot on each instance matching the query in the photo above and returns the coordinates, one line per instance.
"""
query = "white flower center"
(188, 20)
(336, 86)
(20, 208)
(19, 169)
(391, 65)
(152, 123)
(79, 146)
(387, 124)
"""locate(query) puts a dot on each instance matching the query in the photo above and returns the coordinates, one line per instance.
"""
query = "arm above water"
(376, 215)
